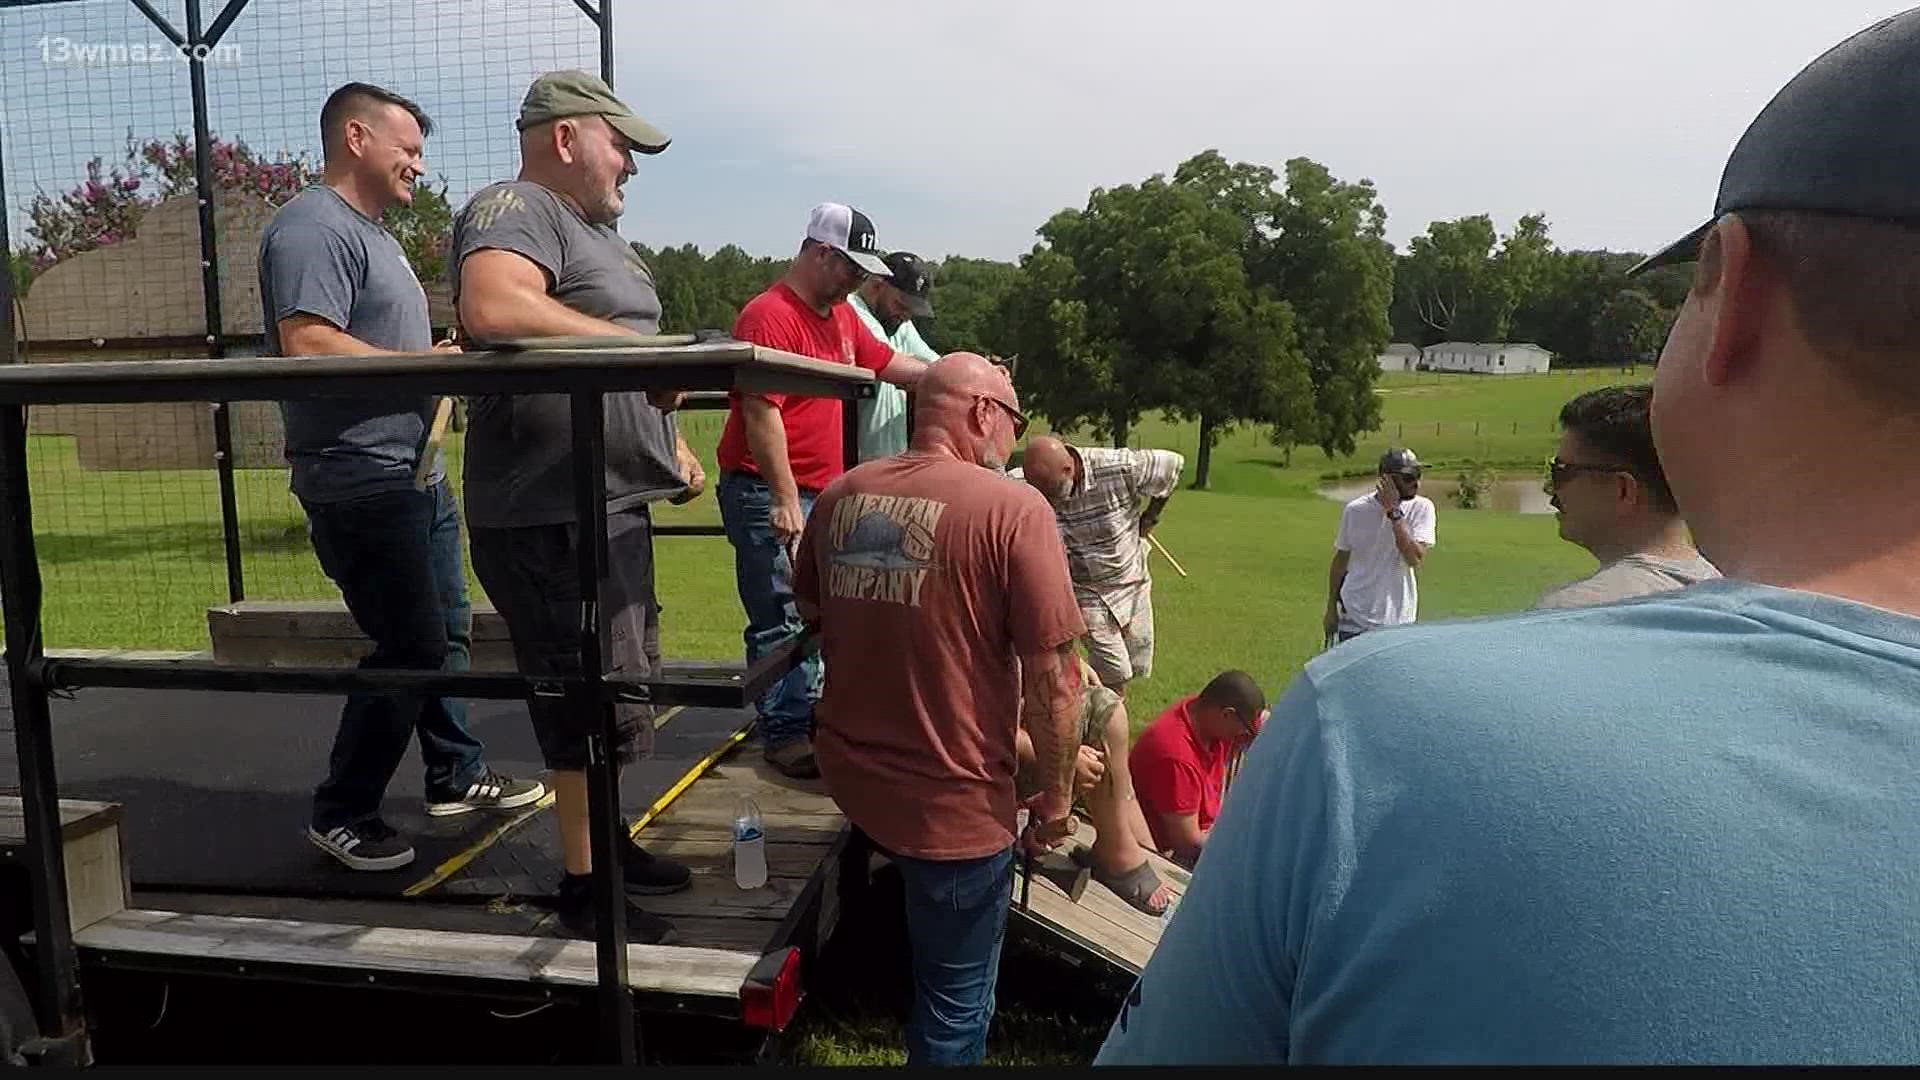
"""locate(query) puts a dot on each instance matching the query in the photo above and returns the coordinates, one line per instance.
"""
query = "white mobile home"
(1502, 358)
(1400, 356)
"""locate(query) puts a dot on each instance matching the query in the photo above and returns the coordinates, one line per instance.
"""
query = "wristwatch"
(1396, 514)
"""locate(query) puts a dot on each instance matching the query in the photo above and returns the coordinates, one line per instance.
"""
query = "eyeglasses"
(1019, 418)
(1559, 472)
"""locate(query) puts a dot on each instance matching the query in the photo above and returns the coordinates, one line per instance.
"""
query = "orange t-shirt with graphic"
(932, 577)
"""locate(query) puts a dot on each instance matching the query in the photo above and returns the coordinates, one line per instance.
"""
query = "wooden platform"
(1099, 924)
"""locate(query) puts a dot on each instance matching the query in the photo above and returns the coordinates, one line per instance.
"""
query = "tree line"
(1229, 294)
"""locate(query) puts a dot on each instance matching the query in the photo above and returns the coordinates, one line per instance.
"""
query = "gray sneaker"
(367, 845)
(489, 791)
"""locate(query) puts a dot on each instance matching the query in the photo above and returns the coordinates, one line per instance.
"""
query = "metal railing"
(584, 370)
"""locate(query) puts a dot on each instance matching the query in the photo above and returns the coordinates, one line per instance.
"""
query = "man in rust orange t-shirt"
(779, 451)
(1179, 763)
(944, 601)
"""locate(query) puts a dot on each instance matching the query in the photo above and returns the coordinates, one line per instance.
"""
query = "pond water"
(1510, 493)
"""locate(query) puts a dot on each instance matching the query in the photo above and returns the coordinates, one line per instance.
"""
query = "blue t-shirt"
(320, 256)
(1684, 828)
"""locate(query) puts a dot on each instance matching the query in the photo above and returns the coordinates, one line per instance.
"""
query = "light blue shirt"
(883, 417)
(1684, 828)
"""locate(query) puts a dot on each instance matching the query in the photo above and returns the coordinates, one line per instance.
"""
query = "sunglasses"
(1019, 418)
(1559, 472)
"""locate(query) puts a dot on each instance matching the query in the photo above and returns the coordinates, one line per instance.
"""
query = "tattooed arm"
(1051, 698)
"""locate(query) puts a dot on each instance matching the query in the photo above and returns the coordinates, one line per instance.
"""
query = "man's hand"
(447, 347)
(1088, 769)
(1331, 624)
(787, 522)
(1050, 820)
(690, 471)
(1387, 494)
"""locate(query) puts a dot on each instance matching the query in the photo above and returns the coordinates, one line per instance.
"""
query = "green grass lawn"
(133, 560)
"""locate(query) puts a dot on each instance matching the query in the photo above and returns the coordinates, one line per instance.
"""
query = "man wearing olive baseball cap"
(1676, 829)
(538, 256)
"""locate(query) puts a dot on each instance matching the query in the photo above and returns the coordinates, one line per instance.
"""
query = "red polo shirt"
(1174, 772)
(779, 319)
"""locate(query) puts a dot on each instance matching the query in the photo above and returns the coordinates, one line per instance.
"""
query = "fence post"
(210, 291)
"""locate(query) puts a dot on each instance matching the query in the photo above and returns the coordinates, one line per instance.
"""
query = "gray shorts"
(531, 574)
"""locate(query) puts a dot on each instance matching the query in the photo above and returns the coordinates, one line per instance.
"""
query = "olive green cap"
(560, 94)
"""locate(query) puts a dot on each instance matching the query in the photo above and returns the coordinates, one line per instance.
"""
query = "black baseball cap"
(908, 273)
(1843, 137)
(1400, 463)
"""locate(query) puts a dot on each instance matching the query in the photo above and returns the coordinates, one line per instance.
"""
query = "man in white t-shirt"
(1384, 536)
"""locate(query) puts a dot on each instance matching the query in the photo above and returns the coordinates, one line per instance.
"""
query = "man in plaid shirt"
(1097, 496)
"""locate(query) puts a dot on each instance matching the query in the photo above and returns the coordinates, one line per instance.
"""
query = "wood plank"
(781, 829)
(701, 849)
(78, 817)
(1101, 923)
(492, 957)
(692, 932)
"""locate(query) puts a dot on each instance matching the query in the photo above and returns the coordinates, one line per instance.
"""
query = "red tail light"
(771, 994)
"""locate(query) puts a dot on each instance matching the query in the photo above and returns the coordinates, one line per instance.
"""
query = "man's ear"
(566, 140)
(1733, 282)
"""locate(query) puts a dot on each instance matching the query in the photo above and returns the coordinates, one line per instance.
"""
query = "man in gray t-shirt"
(334, 282)
(538, 256)
(1613, 500)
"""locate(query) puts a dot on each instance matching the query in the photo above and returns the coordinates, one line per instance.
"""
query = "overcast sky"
(961, 125)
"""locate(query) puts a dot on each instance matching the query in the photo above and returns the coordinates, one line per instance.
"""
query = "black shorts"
(531, 574)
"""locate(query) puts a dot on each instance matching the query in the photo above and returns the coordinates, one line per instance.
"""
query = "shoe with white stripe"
(489, 791)
(366, 845)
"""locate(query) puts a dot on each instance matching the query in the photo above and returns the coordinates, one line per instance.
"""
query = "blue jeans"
(764, 576)
(396, 558)
(956, 920)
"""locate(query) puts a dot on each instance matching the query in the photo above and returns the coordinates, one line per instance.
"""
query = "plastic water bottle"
(1167, 914)
(749, 845)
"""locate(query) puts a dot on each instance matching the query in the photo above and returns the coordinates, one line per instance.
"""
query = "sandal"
(1137, 887)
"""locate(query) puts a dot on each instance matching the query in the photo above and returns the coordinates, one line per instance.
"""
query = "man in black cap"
(1678, 829)
(1384, 536)
(538, 256)
(888, 305)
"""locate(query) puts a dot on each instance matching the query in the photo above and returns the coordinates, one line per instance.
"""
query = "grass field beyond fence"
(133, 559)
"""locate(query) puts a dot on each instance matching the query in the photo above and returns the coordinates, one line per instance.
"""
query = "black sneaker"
(648, 874)
(574, 906)
(368, 845)
(794, 759)
(489, 791)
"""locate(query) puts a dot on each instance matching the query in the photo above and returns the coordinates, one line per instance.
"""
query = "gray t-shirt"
(319, 256)
(1635, 575)
(519, 452)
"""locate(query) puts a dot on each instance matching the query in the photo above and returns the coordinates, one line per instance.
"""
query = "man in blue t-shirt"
(334, 282)
(1677, 829)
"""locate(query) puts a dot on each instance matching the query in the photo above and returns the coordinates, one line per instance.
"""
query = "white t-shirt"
(1380, 589)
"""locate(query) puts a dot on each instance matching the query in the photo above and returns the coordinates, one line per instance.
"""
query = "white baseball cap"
(849, 231)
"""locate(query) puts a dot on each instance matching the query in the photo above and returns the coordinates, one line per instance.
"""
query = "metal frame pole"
(61, 1013)
(210, 290)
(593, 705)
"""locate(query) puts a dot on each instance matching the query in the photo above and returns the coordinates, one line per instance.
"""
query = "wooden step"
(240, 941)
(96, 860)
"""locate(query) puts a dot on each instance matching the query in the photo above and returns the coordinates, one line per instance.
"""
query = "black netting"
(98, 140)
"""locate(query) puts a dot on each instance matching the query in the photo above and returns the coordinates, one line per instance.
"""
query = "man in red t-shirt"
(779, 452)
(1180, 762)
(932, 577)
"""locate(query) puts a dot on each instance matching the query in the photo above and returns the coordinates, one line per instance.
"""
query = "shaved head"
(1050, 467)
(965, 405)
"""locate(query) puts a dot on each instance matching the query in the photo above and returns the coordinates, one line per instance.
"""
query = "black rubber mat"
(217, 788)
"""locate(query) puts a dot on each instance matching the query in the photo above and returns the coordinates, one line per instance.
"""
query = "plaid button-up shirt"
(1100, 520)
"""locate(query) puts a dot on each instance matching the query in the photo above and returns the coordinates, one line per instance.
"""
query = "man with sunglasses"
(1384, 537)
(1611, 497)
(946, 618)
(1674, 831)
(778, 452)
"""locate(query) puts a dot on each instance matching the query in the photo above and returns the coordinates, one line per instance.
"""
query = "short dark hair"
(1855, 284)
(1616, 421)
(1235, 690)
(343, 103)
